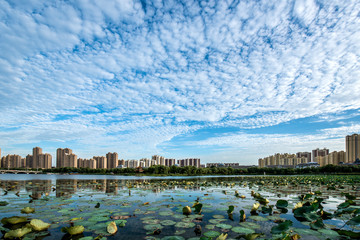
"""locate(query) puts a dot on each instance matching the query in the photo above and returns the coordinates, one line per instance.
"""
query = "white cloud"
(154, 67)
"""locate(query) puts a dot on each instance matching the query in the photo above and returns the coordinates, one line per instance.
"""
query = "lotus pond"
(117, 207)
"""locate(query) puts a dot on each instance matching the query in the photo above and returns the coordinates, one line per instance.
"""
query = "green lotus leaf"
(3, 203)
(28, 210)
(111, 228)
(354, 221)
(173, 238)
(18, 233)
(258, 218)
(14, 220)
(318, 224)
(224, 226)
(329, 232)
(39, 225)
(211, 234)
(185, 224)
(311, 216)
(282, 204)
(75, 230)
(353, 235)
(167, 222)
(250, 225)
(242, 230)
(281, 227)
(152, 227)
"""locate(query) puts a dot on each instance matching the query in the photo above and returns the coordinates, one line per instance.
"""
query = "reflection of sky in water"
(80, 193)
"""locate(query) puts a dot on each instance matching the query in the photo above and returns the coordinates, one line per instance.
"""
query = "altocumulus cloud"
(131, 75)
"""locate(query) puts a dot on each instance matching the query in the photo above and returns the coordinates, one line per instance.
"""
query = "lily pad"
(242, 230)
(39, 225)
(224, 226)
(112, 228)
(167, 222)
(17, 233)
(185, 224)
(211, 234)
(173, 238)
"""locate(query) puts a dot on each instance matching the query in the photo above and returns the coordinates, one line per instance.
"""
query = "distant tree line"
(194, 171)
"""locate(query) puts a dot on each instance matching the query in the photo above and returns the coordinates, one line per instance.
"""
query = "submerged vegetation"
(268, 207)
(194, 171)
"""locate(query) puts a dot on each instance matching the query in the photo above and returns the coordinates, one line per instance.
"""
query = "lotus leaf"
(282, 204)
(3, 203)
(39, 225)
(281, 227)
(173, 238)
(14, 220)
(28, 210)
(18, 233)
(329, 232)
(168, 222)
(185, 224)
(211, 234)
(318, 224)
(354, 221)
(112, 228)
(242, 230)
(75, 230)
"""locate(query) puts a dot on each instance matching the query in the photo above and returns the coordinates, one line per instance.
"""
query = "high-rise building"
(319, 152)
(121, 162)
(133, 163)
(112, 160)
(86, 163)
(169, 162)
(145, 162)
(352, 143)
(160, 160)
(37, 151)
(189, 162)
(60, 157)
(101, 162)
(29, 161)
(306, 155)
(44, 160)
(11, 161)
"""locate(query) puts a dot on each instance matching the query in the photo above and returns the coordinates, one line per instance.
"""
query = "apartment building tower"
(352, 143)
(319, 152)
(112, 160)
(101, 161)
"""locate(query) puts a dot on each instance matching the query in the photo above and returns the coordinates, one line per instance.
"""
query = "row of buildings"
(37, 160)
(318, 157)
(66, 158)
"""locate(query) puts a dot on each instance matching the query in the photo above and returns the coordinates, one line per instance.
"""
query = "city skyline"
(229, 82)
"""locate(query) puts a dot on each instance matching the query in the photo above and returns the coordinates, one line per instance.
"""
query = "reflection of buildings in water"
(111, 186)
(38, 187)
(66, 187)
(8, 185)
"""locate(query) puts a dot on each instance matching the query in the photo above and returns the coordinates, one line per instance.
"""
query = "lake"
(152, 207)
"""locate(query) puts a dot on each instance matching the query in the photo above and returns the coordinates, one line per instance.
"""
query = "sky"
(223, 81)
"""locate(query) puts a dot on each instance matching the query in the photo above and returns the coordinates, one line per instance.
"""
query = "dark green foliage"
(281, 227)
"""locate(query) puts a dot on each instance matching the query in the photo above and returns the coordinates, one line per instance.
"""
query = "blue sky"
(220, 80)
